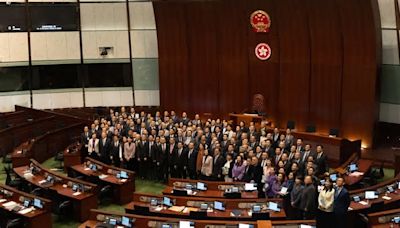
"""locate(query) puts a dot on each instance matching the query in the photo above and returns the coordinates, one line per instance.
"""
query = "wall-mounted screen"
(12, 17)
(54, 16)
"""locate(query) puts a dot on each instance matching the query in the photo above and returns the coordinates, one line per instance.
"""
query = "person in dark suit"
(141, 151)
(275, 137)
(104, 147)
(218, 163)
(341, 203)
(151, 151)
(308, 199)
(116, 152)
(182, 159)
(85, 137)
(257, 170)
(192, 160)
(173, 158)
(162, 160)
(321, 160)
(248, 171)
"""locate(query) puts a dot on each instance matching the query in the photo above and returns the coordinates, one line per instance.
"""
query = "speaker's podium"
(247, 118)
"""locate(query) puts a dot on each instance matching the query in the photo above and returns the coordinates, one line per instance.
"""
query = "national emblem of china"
(260, 21)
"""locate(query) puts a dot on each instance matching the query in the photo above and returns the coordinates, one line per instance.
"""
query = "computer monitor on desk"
(186, 224)
(370, 195)
(219, 206)
(125, 221)
(167, 202)
(201, 186)
(250, 187)
(353, 167)
(37, 203)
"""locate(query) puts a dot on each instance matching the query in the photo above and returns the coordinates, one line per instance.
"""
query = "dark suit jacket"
(217, 166)
(257, 175)
(342, 202)
(183, 158)
(322, 164)
(249, 174)
(308, 199)
(105, 149)
(162, 156)
(173, 156)
(192, 160)
(85, 139)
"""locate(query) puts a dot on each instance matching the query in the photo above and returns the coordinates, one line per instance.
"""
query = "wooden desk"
(212, 193)
(191, 201)
(383, 218)
(211, 185)
(211, 214)
(393, 202)
(97, 217)
(247, 118)
(122, 189)
(82, 203)
(47, 145)
(396, 153)
(72, 155)
(14, 136)
(364, 166)
(33, 219)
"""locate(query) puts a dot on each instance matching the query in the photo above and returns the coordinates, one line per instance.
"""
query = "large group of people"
(167, 145)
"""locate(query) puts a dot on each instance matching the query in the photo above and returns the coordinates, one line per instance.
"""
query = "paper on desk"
(189, 209)
(123, 180)
(102, 176)
(2, 200)
(25, 211)
(158, 208)
(386, 198)
(86, 169)
(42, 181)
(10, 204)
(356, 174)
(176, 208)
(363, 203)
(350, 209)
(76, 193)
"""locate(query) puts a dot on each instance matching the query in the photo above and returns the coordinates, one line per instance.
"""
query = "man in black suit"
(141, 155)
(341, 203)
(182, 159)
(248, 171)
(321, 160)
(104, 147)
(162, 160)
(308, 199)
(218, 163)
(116, 151)
(173, 158)
(192, 159)
(151, 151)
(85, 136)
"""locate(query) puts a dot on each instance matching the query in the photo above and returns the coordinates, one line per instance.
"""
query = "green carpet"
(143, 186)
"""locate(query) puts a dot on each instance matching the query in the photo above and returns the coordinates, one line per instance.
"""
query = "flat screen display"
(54, 17)
(12, 18)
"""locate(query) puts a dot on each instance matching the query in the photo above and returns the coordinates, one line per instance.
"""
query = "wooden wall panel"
(294, 61)
(201, 18)
(173, 55)
(232, 56)
(323, 68)
(263, 76)
(326, 65)
(360, 69)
